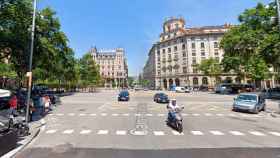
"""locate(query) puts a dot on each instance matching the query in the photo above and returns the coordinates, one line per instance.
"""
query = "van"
(180, 89)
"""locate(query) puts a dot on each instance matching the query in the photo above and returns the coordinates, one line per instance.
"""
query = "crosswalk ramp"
(159, 133)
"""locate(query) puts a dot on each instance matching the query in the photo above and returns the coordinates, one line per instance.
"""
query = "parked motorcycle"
(176, 120)
(18, 123)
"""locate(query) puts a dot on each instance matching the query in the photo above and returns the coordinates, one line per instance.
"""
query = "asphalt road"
(96, 125)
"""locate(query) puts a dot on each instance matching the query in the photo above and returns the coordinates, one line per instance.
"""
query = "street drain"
(141, 127)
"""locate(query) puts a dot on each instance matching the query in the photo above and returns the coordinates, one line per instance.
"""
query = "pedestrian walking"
(13, 105)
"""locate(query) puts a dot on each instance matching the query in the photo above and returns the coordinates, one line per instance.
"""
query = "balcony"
(169, 60)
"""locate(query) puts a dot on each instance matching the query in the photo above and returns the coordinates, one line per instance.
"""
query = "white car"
(181, 90)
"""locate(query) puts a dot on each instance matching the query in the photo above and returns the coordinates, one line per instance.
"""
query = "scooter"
(15, 122)
(175, 120)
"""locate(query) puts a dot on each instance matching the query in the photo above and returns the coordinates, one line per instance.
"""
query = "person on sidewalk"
(13, 105)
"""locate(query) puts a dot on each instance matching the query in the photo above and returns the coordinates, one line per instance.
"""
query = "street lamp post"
(29, 74)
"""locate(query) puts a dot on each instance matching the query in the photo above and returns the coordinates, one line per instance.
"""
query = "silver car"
(252, 102)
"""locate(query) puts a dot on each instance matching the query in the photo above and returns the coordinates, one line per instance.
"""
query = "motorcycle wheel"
(179, 126)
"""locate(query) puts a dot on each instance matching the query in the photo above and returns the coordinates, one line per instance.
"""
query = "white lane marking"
(160, 115)
(196, 114)
(69, 131)
(85, 132)
(51, 114)
(149, 114)
(125, 114)
(92, 114)
(115, 114)
(233, 115)
(59, 114)
(159, 133)
(103, 114)
(257, 133)
(177, 133)
(197, 133)
(120, 132)
(137, 114)
(184, 114)
(82, 115)
(43, 121)
(275, 133)
(208, 114)
(102, 132)
(218, 133)
(219, 114)
(71, 114)
(236, 133)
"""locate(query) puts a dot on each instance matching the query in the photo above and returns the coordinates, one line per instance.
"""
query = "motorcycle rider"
(173, 109)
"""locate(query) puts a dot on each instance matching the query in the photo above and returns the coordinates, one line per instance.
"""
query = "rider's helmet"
(173, 102)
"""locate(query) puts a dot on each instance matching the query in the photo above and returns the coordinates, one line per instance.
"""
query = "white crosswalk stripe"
(137, 114)
(59, 114)
(82, 115)
(236, 133)
(196, 114)
(177, 133)
(115, 114)
(85, 132)
(51, 131)
(149, 114)
(197, 133)
(233, 115)
(69, 131)
(120, 132)
(184, 114)
(275, 133)
(160, 115)
(219, 114)
(103, 114)
(208, 114)
(257, 133)
(102, 132)
(71, 114)
(92, 114)
(125, 114)
(159, 133)
(217, 133)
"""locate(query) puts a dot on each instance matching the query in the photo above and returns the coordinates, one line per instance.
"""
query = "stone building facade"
(173, 59)
(113, 66)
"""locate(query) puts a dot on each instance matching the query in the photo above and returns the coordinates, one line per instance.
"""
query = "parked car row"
(272, 93)
(230, 88)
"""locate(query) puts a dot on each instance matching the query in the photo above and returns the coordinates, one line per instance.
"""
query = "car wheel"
(256, 111)
(264, 108)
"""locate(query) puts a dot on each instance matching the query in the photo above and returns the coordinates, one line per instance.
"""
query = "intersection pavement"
(98, 121)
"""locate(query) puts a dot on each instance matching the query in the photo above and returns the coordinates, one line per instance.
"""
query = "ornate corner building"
(173, 59)
(112, 66)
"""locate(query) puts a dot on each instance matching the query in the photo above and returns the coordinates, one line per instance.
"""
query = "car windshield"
(247, 98)
(124, 93)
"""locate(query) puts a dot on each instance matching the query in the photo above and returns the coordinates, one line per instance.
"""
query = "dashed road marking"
(233, 115)
(219, 114)
(115, 114)
(236, 133)
(70, 131)
(59, 114)
(125, 114)
(218, 133)
(197, 133)
(71, 114)
(208, 114)
(137, 114)
(158, 133)
(149, 114)
(85, 132)
(103, 114)
(92, 114)
(82, 115)
(120, 132)
(51, 131)
(275, 133)
(177, 133)
(184, 114)
(196, 114)
(257, 133)
(103, 132)
(160, 115)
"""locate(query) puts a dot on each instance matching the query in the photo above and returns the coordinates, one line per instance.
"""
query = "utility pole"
(29, 73)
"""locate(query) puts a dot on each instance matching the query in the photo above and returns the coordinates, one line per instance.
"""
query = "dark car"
(161, 98)
(273, 93)
(123, 96)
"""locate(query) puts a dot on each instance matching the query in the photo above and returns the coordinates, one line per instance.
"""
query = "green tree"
(210, 67)
(251, 47)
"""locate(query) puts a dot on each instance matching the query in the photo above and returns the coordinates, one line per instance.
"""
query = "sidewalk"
(34, 127)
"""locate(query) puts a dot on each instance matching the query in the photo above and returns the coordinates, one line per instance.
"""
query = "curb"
(25, 142)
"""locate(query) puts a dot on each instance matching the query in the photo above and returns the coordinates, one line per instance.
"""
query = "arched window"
(195, 81)
(205, 81)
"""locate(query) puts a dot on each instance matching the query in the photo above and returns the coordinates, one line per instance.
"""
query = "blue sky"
(136, 24)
